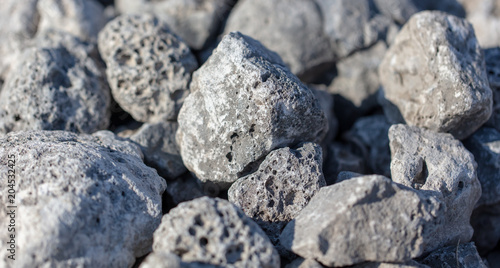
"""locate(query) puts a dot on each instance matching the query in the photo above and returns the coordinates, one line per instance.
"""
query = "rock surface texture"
(148, 67)
(465, 256)
(434, 73)
(214, 231)
(492, 58)
(282, 186)
(349, 223)
(243, 104)
(92, 189)
(438, 165)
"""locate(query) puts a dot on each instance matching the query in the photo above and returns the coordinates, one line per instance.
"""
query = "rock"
(485, 146)
(408, 264)
(347, 175)
(92, 189)
(148, 67)
(160, 149)
(357, 79)
(82, 18)
(243, 104)
(196, 22)
(492, 58)
(369, 134)
(169, 260)
(484, 15)
(434, 73)
(464, 255)
(366, 218)
(293, 29)
(186, 188)
(437, 164)
(486, 223)
(304, 263)
(214, 231)
(325, 100)
(281, 187)
(56, 86)
(342, 157)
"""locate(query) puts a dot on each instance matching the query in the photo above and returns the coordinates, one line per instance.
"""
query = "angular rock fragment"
(370, 135)
(214, 231)
(439, 165)
(363, 219)
(56, 86)
(160, 149)
(92, 197)
(196, 22)
(148, 67)
(281, 187)
(291, 28)
(434, 73)
(244, 103)
(464, 255)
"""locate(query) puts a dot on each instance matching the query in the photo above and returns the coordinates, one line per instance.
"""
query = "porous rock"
(463, 255)
(243, 104)
(434, 74)
(148, 67)
(95, 190)
(214, 231)
(367, 218)
(291, 28)
(196, 22)
(439, 165)
(484, 144)
(492, 58)
(369, 135)
(157, 141)
(281, 187)
(56, 86)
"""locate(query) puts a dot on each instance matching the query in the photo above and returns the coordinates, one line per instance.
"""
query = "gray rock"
(56, 86)
(408, 264)
(439, 165)
(486, 223)
(366, 218)
(281, 187)
(485, 146)
(91, 197)
(196, 22)
(325, 100)
(434, 73)
(304, 263)
(463, 255)
(169, 260)
(293, 29)
(160, 149)
(148, 67)
(485, 17)
(82, 18)
(347, 175)
(342, 157)
(186, 188)
(369, 134)
(492, 59)
(243, 104)
(214, 231)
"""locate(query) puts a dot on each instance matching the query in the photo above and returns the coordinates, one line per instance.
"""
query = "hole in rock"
(229, 156)
(203, 242)
(421, 177)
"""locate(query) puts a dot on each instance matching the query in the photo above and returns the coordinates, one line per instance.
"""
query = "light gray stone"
(82, 201)
(492, 59)
(169, 260)
(463, 255)
(160, 149)
(369, 134)
(148, 67)
(196, 22)
(434, 73)
(214, 231)
(363, 219)
(243, 104)
(485, 146)
(347, 175)
(55, 86)
(484, 15)
(439, 165)
(281, 187)
(293, 29)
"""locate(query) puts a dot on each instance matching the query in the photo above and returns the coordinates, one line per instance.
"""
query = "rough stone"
(363, 219)
(291, 28)
(342, 157)
(347, 175)
(148, 67)
(325, 100)
(464, 255)
(484, 144)
(282, 186)
(486, 223)
(492, 58)
(484, 15)
(369, 135)
(214, 231)
(439, 165)
(169, 260)
(196, 22)
(56, 86)
(92, 189)
(160, 149)
(243, 104)
(434, 73)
